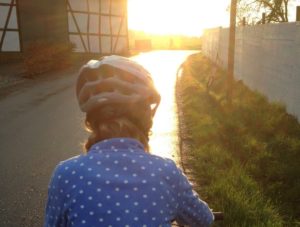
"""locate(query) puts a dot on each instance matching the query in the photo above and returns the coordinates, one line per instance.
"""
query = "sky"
(186, 17)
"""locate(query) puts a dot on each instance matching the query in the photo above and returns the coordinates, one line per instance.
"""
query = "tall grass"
(246, 156)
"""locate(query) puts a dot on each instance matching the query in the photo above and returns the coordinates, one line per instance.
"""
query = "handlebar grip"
(218, 216)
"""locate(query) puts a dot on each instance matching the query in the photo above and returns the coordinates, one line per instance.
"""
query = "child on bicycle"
(117, 182)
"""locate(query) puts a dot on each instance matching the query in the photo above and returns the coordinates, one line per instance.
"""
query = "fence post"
(244, 21)
(298, 13)
(231, 50)
(263, 20)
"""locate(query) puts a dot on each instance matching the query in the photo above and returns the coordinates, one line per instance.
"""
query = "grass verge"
(245, 157)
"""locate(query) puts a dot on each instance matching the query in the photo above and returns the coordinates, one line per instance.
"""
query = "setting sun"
(184, 17)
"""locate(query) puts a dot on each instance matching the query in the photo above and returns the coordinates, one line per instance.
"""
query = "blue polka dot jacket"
(118, 184)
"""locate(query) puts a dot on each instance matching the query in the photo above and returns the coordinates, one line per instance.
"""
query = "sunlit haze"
(184, 17)
(164, 140)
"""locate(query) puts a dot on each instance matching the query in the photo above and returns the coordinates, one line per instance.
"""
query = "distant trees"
(276, 11)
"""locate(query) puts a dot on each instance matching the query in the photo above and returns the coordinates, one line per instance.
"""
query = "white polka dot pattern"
(118, 184)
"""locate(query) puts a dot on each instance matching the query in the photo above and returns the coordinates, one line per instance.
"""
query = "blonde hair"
(115, 121)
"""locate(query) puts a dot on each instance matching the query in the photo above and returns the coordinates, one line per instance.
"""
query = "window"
(98, 26)
(9, 26)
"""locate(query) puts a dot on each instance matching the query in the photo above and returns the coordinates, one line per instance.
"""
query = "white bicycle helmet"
(115, 80)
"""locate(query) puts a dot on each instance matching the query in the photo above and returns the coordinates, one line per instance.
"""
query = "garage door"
(9, 26)
(98, 26)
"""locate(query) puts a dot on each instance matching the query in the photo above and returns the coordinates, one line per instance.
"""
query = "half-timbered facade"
(93, 26)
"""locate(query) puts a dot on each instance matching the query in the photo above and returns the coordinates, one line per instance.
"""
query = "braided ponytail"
(116, 121)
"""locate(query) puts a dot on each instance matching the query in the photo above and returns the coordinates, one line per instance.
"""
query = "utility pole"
(298, 13)
(263, 20)
(231, 49)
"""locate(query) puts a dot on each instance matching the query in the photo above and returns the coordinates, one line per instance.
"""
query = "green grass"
(246, 156)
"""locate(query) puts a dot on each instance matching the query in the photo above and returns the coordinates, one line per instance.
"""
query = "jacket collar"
(117, 144)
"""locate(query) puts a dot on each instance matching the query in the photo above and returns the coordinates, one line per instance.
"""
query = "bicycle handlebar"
(219, 216)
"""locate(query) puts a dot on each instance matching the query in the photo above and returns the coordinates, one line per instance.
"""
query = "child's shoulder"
(70, 163)
(166, 163)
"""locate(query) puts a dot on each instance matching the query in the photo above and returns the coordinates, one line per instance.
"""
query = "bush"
(41, 57)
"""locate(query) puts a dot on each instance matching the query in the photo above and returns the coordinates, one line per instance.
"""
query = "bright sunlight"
(180, 17)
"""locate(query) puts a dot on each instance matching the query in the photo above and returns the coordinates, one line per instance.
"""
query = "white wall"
(267, 59)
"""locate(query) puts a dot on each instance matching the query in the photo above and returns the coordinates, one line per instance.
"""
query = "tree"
(276, 10)
(247, 9)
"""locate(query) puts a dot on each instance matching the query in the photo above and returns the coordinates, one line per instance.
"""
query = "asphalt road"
(41, 125)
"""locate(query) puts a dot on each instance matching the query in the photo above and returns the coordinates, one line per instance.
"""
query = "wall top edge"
(256, 26)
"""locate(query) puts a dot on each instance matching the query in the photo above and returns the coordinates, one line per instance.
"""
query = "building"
(94, 26)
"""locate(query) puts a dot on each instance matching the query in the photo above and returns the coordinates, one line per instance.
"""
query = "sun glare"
(168, 17)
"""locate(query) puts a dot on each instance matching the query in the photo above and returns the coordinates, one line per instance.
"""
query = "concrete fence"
(267, 59)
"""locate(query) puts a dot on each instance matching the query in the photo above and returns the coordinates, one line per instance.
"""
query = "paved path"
(41, 124)
(163, 66)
